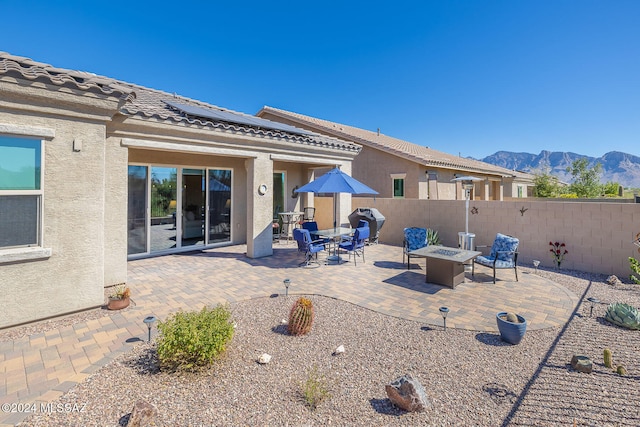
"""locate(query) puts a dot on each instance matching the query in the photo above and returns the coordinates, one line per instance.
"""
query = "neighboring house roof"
(408, 150)
(146, 103)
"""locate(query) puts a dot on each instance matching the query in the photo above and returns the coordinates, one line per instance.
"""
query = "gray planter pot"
(511, 332)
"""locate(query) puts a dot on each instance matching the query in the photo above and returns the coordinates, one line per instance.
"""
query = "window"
(20, 192)
(398, 184)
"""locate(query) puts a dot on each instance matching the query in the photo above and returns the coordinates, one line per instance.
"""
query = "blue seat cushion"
(503, 248)
(488, 261)
(415, 238)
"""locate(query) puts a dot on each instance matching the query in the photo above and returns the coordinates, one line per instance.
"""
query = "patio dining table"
(336, 234)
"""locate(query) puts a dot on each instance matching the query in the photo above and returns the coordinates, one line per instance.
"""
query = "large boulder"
(143, 414)
(407, 393)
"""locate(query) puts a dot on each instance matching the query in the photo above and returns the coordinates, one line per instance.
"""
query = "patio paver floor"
(39, 368)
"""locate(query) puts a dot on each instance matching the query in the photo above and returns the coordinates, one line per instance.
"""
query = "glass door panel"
(219, 205)
(163, 230)
(278, 196)
(193, 207)
(137, 210)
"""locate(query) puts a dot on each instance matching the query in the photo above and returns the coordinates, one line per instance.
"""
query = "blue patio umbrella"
(335, 181)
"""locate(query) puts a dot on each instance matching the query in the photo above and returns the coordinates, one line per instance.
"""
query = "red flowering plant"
(558, 251)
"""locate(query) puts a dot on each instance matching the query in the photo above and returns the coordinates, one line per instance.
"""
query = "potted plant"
(119, 298)
(511, 326)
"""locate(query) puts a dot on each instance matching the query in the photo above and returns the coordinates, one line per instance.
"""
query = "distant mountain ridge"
(616, 166)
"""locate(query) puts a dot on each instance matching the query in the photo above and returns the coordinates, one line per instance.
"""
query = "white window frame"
(36, 251)
(403, 177)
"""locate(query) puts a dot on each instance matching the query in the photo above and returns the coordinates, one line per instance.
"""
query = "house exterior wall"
(73, 218)
(598, 236)
(375, 167)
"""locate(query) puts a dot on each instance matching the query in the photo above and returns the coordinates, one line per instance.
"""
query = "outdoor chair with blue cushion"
(312, 226)
(504, 254)
(306, 245)
(356, 245)
(414, 238)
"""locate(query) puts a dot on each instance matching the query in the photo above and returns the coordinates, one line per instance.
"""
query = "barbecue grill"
(371, 216)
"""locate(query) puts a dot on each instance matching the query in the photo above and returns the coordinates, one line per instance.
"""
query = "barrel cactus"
(608, 358)
(623, 315)
(301, 317)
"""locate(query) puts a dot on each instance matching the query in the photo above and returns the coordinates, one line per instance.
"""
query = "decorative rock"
(338, 350)
(408, 394)
(283, 321)
(264, 358)
(613, 280)
(581, 364)
(143, 414)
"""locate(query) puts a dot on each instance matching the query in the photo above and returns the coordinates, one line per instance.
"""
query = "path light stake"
(287, 283)
(593, 301)
(149, 320)
(536, 263)
(444, 311)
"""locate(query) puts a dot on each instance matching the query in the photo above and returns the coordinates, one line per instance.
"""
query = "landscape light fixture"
(593, 301)
(287, 283)
(444, 311)
(149, 321)
(536, 263)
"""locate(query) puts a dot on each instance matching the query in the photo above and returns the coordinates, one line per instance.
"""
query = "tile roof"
(146, 103)
(408, 150)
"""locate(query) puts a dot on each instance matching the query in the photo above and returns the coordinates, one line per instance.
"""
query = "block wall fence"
(598, 236)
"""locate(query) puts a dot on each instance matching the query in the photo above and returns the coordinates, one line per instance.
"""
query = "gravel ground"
(471, 378)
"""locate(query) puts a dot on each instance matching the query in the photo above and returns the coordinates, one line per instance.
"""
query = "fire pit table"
(445, 265)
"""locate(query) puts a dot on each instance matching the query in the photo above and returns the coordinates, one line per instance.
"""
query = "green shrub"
(191, 340)
(315, 388)
(432, 237)
(635, 269)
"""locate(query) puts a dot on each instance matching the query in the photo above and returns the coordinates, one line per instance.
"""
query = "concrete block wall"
(597, 235)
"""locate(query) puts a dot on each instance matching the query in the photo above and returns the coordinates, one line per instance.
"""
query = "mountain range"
(617, 167)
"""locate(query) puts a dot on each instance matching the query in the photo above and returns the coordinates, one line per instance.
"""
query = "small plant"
(608, 360)
(634, 264)
(511, 317)
(301, 317)
(120, 291)
(315, 388)
(558, 252)
(621, 370)
(432, 237)
(191, 340)
(623, 315)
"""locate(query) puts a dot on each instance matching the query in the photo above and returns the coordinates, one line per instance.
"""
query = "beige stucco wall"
(598, 235)
(74, 184)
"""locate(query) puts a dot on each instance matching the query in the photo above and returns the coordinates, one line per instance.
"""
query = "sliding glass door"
(219, 185)
(137, 210)
(171, 208)
(164, 194)
(193, 207)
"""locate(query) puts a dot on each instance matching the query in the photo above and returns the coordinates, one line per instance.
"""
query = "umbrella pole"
(334, 210)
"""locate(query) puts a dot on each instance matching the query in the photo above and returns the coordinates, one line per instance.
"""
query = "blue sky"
(468, 77)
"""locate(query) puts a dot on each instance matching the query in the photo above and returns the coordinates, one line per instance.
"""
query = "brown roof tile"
(414, 152)
(144, 102)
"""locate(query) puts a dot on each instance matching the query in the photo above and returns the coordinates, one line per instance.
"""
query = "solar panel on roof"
(227, 116)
